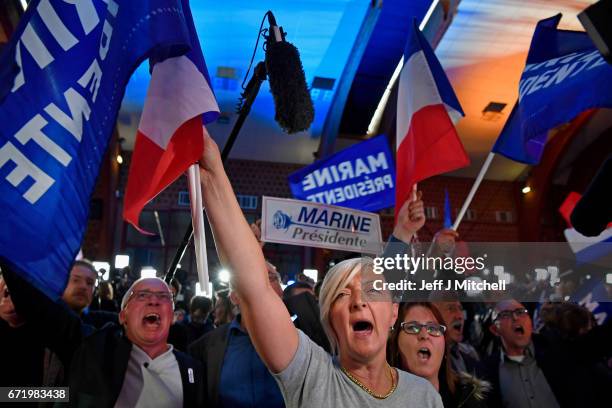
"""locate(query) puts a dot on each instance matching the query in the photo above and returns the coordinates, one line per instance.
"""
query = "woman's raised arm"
(263, 312)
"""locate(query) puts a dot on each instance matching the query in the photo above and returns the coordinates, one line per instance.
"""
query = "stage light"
(199, 292)
(148, 272)
(224, 276)
(121, 261)
(102, 266)
(119, 159)
(526, 190)
(311, 273)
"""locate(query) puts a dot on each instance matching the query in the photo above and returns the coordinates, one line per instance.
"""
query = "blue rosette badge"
(281, 220)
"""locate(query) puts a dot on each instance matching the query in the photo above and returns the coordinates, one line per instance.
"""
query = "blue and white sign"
(360, 177)
(304, 223)
(72, 61)
(565, 75)
(595, 298)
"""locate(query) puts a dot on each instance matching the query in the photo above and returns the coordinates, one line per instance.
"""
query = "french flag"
(170, 137)
(427, 142)
(586, 249)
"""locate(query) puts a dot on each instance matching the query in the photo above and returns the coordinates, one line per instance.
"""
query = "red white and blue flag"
(586, 249)
(170, 138)
(427, 142)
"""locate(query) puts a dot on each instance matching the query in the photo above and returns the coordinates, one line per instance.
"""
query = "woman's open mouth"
(424, 354)
(362, 327)
(519, 329)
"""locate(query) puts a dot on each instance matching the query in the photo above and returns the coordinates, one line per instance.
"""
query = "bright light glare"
(311, 273)
(121, 261)
(224, 275)
(148, 272)
(102, 265)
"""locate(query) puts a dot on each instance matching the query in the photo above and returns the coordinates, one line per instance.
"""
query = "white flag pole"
(472, 193)
(197, 219)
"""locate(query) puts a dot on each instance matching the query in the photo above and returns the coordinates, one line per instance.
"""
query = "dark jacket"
(210, 351)
(99, 365)
(567, 366)
(97, 361)
(210, 348)
(23, 352)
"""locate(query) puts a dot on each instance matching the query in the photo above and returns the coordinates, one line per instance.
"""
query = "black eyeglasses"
(432, 329)
(507, 314)
(145, 296)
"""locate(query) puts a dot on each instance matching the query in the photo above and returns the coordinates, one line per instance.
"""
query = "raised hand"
(410, 219)
(256, 228)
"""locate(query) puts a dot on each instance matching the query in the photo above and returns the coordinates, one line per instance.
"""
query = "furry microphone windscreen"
(294, 108)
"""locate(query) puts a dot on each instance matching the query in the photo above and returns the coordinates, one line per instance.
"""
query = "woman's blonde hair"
(338, 278)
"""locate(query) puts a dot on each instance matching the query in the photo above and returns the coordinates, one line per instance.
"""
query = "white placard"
(306, 223)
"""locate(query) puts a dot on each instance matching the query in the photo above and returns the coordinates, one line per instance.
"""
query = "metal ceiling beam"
(334, 115)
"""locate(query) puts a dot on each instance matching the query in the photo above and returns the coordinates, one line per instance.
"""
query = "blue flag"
(594, 296)
(565, 75)
(360, 177)
(448, 223)
(74, 61)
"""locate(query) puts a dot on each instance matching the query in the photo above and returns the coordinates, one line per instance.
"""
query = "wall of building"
(254, 178)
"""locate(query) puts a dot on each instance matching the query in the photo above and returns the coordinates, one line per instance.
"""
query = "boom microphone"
(292, 102)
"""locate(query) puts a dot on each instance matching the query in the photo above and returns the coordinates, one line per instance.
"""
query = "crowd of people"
(339, 343)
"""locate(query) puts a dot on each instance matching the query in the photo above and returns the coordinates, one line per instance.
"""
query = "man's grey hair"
(129, 292)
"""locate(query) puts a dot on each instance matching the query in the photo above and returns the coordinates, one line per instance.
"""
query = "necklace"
(367, 389)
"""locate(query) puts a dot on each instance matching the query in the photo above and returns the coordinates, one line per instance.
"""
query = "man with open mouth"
(464, 356)
(535, 370)
(131, 365)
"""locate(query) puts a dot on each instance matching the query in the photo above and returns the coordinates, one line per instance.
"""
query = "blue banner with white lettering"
(594, 296)
(361, 177)
(565, 75)
(74, 60)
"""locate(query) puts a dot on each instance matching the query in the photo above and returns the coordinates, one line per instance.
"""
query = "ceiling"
(323, 31)
(483, 52)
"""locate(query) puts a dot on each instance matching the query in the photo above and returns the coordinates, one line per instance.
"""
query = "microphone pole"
(294, 109)
(248, 97)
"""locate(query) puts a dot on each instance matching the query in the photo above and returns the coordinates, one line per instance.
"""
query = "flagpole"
(472, 193)
(197, 220)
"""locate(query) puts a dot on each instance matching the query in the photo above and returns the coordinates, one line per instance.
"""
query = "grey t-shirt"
(314, 379)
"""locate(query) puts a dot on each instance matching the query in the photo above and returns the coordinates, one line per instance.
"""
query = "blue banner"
(361, 177)
(565, 75)
(594, 296)
(74, 60)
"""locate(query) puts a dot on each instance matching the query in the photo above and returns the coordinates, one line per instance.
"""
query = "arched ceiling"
(483, 52)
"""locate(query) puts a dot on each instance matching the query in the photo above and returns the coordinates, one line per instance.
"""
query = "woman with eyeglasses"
(356, 316)
(417, 345)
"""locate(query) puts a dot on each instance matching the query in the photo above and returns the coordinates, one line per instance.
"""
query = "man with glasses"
(235, 375)
(518, 378)
(464, 356)
(131, 365)
(533, 370)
